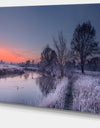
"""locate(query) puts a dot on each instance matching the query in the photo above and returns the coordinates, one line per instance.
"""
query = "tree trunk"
(82, 64)
(82, 68)
(62, 71)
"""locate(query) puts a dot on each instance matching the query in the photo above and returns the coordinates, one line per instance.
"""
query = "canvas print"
(50, 56)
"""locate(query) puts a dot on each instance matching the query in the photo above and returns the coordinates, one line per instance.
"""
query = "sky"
(25, 31)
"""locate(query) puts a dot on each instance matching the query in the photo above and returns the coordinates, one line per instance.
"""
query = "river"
(21, 89)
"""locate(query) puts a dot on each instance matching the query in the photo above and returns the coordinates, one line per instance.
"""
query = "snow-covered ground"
(8, 69)
(9, 66)
(56, 97)
(90, 73)
(86, 94)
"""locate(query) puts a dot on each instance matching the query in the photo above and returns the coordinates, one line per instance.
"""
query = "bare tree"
(61, 51)
(83, 44)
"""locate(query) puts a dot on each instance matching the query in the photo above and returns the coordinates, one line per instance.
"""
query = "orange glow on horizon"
(9, 56)
(17, 54)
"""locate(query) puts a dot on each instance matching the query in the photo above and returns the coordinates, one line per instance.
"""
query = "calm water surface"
(22, 89)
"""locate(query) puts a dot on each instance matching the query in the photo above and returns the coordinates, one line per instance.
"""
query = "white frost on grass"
(86, 94)
(89, 73)
(9, 66)
(56, 98)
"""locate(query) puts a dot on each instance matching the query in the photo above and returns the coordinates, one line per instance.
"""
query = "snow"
(56, 98)
(85, 90)
(7, 69)
(9, 66)
(90, 73)
(86, 94)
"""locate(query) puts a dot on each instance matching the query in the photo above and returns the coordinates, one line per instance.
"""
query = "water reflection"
(29, 88)
(46, 83)
(26, 75)
(21, 89)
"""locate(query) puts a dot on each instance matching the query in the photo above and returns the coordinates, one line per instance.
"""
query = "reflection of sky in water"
(20, 89)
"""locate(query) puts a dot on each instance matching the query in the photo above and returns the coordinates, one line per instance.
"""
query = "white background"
(19, 116)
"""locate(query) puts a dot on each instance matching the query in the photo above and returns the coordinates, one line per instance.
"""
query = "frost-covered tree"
(48, 56)
(48, 59)
(83, 43)
(61, 51)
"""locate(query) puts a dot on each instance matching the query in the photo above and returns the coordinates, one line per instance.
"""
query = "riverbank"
(75, 91)
(9, 69)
